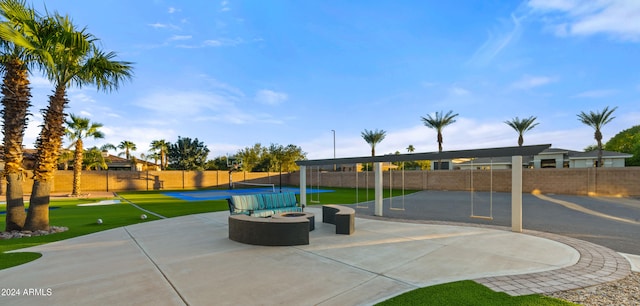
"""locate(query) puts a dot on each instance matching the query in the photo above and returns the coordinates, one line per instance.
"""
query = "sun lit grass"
(468, 293)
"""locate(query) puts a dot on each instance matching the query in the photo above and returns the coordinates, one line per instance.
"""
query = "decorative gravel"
(622, 292)
(21, 234)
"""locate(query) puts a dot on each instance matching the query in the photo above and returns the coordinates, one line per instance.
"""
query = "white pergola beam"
(377, 169)
(516, 194)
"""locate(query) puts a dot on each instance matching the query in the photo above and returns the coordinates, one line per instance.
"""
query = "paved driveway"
(611, 222)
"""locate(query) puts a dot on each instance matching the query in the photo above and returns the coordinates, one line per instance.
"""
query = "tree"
(127, 146)
(161, 147)
(439, 122)
(16, 94)
(411, 149)
(597, 120)
(591, 148)
(75, 60)
(252, 157)
(373, 138)
(187, 154)
(94, 160)
(79, 128)
(522, 126)
(107, 146)
(219, 163)
(65, 157)
(627, 141)
(284, 158)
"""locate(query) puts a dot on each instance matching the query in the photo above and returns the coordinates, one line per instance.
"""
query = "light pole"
(334, 148)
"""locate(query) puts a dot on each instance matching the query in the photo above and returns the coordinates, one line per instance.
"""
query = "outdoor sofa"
(263, 205)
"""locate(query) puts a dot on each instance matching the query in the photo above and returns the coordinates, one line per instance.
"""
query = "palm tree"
(20, 49)
(66, 155)
(373, 138)
(411, 149)
(162, 147)
(79, 128)
(521, 126)
(155, 156)
(597, 121)
(439, 122)
(93, 159)
(127, 146)
(75, 61)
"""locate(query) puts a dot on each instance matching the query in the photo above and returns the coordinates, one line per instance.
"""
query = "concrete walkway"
(190, 261)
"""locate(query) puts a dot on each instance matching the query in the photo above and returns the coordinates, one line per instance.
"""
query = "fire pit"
(311, 217)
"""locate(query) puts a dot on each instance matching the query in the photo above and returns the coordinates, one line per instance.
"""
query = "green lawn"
(348, 195)
(467, 293)
(81, 220)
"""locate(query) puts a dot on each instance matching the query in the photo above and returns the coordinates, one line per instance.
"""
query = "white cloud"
(158, 25)
(180, 37)
(458, 91)
(601, 93)
(509, 33)
(270, 97)
(618, 19)
(222, 42)
(224, 6)
(530, 82)
(80, 97)
(172, 10)
(37, 81)
(176, 103)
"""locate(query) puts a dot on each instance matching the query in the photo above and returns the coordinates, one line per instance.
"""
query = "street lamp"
(334, 148)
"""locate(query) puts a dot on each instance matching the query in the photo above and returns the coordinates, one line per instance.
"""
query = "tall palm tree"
(439, 122)
(373, 138)
(162, 147)
(127, 146)
(20, 49)
(79, 128)
(522, 126)
(597, 120)
(411, 149)
(75, 61)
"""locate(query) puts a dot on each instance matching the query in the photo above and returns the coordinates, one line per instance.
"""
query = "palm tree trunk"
(16, 94)
(48, 145)
(598, 136)
(38, 214)
(163, 159)
(599, 153)
(16, 215)
(77, 168)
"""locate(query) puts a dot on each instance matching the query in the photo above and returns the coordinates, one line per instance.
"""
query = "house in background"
(550, 158)
(114, 163)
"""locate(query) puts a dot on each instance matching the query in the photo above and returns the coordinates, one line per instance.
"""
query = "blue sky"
(235, 73)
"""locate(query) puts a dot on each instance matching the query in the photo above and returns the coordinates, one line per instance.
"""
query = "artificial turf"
(467, 293)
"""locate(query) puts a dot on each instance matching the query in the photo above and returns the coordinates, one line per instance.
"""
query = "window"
(548, 163)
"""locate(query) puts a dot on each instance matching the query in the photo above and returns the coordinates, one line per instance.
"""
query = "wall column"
(377, 169)
(516, 194)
